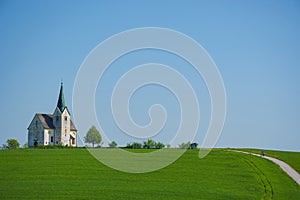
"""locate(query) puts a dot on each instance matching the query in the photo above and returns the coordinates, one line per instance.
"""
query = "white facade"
(53, 129)
(39, 132)
(48, 136)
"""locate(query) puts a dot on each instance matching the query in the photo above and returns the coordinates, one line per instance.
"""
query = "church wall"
(58, 136)
(30, 138)
(57, 124)
(65, 124)
(41, 136)
(35, 135)
(35, 132)
(48, 133)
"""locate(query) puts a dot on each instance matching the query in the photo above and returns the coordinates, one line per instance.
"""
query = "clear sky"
(255, 45)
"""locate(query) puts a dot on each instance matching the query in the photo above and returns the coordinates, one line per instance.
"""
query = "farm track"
(268, 189)
(291, 172)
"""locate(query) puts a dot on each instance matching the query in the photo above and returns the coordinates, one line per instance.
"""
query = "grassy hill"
(291, 158)
(75, 174)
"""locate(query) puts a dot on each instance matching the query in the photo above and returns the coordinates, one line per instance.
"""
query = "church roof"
(61, 103)
(72, 126)
(47, 121)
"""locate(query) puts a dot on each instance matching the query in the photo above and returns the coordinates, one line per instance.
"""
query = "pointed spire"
(61, 103)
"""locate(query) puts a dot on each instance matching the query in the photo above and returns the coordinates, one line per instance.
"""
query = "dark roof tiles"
(72, 127)
(47, 122)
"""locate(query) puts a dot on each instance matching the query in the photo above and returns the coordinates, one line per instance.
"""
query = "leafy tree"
(12, 144)
(93, 136)
(100, 144)
(184, 145)
(129, 146)
(149, 144)
(159, 145)
(136, 145)
(113, 144)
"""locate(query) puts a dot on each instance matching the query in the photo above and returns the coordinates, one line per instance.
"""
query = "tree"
(184, 145)
(149, 144)
(136, 145)
(159, 145)
(113, 144)
(129, 145)
(12, 144)
(93, 136)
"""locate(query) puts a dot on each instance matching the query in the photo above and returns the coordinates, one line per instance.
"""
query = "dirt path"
(285, 167)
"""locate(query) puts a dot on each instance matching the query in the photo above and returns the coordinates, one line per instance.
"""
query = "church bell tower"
(61, 120)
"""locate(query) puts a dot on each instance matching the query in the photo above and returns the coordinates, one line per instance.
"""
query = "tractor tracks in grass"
(268, 189)
(291, 172)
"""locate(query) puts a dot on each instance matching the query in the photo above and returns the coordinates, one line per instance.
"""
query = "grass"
(291, 158)
(75, 174)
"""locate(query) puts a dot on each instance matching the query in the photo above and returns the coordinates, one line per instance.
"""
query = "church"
(53, 129)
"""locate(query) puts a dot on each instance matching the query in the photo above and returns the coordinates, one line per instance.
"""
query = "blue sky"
(255, 45)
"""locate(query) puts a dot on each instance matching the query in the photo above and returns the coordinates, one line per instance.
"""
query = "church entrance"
(35, 143)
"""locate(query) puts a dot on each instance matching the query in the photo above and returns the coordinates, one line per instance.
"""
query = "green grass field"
(291, 158)
(75, 174)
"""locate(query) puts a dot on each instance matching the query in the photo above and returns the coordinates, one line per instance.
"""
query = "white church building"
(53, 129)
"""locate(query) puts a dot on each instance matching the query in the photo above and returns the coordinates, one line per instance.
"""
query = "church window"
(65, 130)
(73, 141)
(52, 139)
(57, 118)
(36, 123)
(66, 118)
(49, 132)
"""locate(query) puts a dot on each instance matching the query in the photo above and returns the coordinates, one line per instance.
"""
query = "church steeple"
(61, 103)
